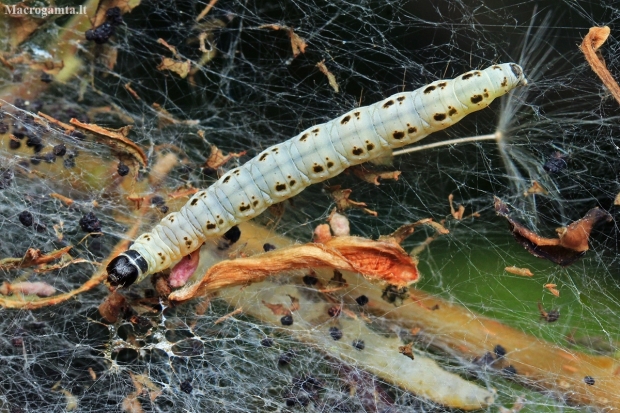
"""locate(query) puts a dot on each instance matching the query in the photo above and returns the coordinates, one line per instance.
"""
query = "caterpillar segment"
(316, 154)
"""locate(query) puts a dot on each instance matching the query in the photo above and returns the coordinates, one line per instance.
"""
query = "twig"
(206, 10)
(595, 38)
(224, 317)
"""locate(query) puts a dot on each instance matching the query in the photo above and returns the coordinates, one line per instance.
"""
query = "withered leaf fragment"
(378, 260)
(407, 350)
(525, 272)
(297, 43)
(343, 202)
(217, 159)
(116, 139)
(179, 67)
(281, 309)
(572, 241)
(33, 257)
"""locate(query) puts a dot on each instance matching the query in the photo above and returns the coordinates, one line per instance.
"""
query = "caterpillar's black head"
(125, 269)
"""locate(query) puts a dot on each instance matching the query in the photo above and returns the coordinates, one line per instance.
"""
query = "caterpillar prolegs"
(318, 153)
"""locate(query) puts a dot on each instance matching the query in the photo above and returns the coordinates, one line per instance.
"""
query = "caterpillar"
(316, 154)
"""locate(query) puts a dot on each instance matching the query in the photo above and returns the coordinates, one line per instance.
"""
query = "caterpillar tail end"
(126, 268)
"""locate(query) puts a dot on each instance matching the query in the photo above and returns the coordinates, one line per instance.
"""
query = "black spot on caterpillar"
(245, 192)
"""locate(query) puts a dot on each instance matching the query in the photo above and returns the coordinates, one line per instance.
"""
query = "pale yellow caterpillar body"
(318, 153)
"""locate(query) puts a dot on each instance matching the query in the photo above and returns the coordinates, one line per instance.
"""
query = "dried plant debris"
(181, 68)
(282, 309)
(330, 76)
(379, 260)
(406, 230)
(112, 307)
(217, 159)
(115, 139)
(206, 10)
(524, 272)
(572, 241)
(32, 258)
(458, 212)
(341, 198)
(407, 350)
(551, 288)
(551, 317)
(374, 177)
(536, 188)
(595, 38)
(144, 386)
(297, 43)
(165, 118)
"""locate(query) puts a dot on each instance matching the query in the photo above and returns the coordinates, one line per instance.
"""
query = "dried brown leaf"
(572, 241)
(32, 257)
(115, 139)
(142, 382)
(536, 188)
(277, 309)
(110, 57)
(297, 43)
(176, 66)
(341, 197)
(217, 159)
(378, 260)
(42, 268)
